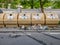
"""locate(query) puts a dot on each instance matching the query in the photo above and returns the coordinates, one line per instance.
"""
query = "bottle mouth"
(10, 14)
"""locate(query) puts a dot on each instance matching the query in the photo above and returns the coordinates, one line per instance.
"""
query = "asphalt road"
(30, 38)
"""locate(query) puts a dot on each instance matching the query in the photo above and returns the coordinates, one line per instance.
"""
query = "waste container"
(1, 19)
(37, 18)
(52, 19)
(24, 19)
(10, 19)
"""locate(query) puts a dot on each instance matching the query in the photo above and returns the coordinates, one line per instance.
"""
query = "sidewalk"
(7, 30)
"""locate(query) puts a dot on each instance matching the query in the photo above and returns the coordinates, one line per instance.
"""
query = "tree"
(42, 3)
(27, 3)
(30, 3)
(56, 4)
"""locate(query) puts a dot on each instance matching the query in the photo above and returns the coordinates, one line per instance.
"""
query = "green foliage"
(56, 4)
(30, 3)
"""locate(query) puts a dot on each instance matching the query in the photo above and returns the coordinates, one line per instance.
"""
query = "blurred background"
(30, 4)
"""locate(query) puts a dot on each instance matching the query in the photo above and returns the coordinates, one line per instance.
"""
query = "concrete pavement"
(30, 38)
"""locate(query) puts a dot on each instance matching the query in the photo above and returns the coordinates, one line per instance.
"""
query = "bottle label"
(23, 17)
(52, 16)
(36, 17)
(10, 17)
